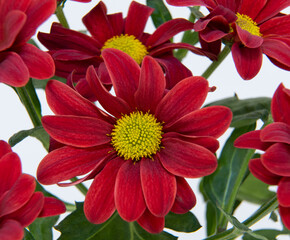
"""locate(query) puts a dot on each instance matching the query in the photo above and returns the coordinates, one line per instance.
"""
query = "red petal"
(11, 230)
(67, 162)
(13, 71)
(210, 121)
(278, 26)
(52, 207)
(129, 198)
(4, 148)
(186, 159)
(276, 132)
(187, 96)
(77, 131)
(159, 187)
(10, 171)
(259, 171)
(18, 195)
(124, 72)
(151, 85)
(248, 39)
(283, 192)
(151, 223)
(137, 18)
(99, 203)
(277, 159)
(285, 215)
(206, 3)
(250, 9)
(117, 23)
(185, 198)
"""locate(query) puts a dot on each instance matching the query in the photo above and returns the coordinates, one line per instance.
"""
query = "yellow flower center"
(137, 135)
(247, 23)
(128, 44)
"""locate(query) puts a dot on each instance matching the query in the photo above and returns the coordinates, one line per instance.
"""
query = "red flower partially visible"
(72, 50)
(253, 28)
(139, 153)
(274, 165)
(20, 60)
(19, 204)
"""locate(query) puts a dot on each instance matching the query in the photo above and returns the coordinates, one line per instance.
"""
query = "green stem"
(213, 66)
(61, 17)
(81, 187)
(69, 207)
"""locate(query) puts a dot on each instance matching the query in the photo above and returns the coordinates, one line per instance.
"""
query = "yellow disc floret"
(247, 23)
(128, 44)
(137, 135)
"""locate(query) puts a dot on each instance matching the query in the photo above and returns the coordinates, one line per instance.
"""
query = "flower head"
(20, 60)
(140, 150)
(274, 165)
(19, 204)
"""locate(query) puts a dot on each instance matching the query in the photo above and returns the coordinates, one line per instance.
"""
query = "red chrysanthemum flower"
(274, 165)
(19, 204)
(72, 50)
(253, 29)
(20, 60)
(140, 152)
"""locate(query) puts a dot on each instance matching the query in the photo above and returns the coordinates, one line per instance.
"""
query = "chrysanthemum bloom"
(274, 165)
(19, 204)
(140, 152)
(20, 60)
(253, 28)
(72, 50)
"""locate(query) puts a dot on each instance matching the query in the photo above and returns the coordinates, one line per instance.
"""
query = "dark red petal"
(167, 30)
(52, 207)
(117, 23)
(185, 198)
(151, 223)
(67, 162)
(185, 97)
(248, 61)
(276, 26)
(114, 105)
(283, 192)
(212, 47)
(280, 105)
(13, 71)
(159, 187)
(11, 230)
(18, 195)
(210, 121)
(276, 132)
(137, 18)
(259, 171)
(285, 215)
(277, 159)
(151, 85)
(77, 131)
(124, 72)
(207, 3)
(187, 159)
(10, 171)
(128, 193)
(250, 9)
(248, 39)
(99, 203)
(4, 148)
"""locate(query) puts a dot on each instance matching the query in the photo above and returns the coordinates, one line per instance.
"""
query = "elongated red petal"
(52, 207)
(186, 159)
(206, 3)
(283, 192)
(99, 203)
(11, 230)
(4, 148)
(128, 193)
(159, 187)
(248, 39)
(247, 8)
(77, 131)
(259, 171)
(187, 96)
(277, 159)
(276, 132)
(276, 26)
(151, 223)
(285, 215)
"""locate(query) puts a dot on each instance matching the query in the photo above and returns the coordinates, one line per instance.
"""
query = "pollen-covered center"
(128, 44)
(137, 135)
(247, 23)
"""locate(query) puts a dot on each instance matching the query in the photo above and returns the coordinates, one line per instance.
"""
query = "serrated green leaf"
(182, 222)
(41, 228)
(270, 234)
(27, 235)
(37, 132)
(161, 14)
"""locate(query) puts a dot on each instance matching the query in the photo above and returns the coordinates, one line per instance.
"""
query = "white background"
(14, 117)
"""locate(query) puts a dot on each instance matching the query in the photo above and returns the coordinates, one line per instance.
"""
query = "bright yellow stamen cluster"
(137, 135)
(247, 23)
(128, 44)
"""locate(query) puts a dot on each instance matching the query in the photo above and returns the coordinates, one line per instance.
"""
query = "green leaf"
(222, 186)
(33, 96)
(161, 14)
(211, 219)
(182, 222)
(270, 234)
(42, 83)
(41, 228)
(247, 111)
(27, 235)
(37, 132)
(197, 14)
